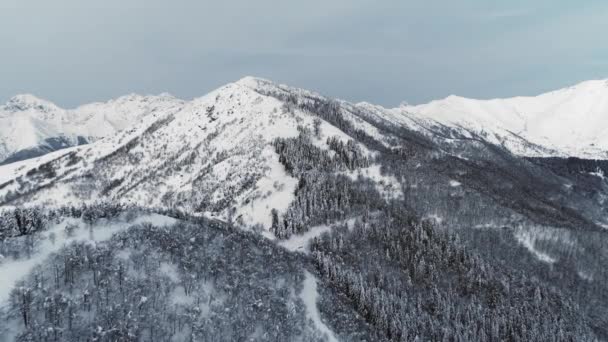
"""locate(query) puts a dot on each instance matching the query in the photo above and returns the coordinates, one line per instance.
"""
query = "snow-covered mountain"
(213, 154)
(218, 155)
(568, 122)
(291, 216)
(30, 126)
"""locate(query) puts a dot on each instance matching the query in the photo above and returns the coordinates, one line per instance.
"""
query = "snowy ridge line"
(30, 126)
(528, 126)
(566, 122)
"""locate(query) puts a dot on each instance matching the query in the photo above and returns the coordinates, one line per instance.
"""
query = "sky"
(386, 52)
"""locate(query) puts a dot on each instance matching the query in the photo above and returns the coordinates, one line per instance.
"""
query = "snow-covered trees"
(21, 221)
(202, 281)
(322, 194)
(431, 287)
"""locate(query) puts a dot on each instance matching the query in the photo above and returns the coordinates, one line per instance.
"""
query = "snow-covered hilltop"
(568, 122)
(30, 126)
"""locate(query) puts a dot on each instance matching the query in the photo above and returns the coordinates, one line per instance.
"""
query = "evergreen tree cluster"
(198, 281)
(21, 221)
(322, 195)
(432, 288)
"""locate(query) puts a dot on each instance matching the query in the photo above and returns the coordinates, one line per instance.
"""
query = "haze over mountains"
(290, 215)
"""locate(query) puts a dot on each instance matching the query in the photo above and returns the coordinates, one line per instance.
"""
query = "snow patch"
(598, 173)
(387, 185)
(584, 275)
(435, 218)
(275, 190)
(454, 183)
(528, 239)
(179, 297)
(170, 271)
(309, 296)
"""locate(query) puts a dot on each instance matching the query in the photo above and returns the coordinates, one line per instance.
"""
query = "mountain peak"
(255, 83)
(252, 81)
(23, 102)
(134, 97)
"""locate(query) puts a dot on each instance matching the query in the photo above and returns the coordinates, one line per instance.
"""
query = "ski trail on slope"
(309, 296)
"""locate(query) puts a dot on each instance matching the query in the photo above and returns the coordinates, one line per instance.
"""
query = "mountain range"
(455, 220)
(565, 122)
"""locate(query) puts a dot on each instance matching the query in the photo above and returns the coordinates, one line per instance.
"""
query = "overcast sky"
(75, 51)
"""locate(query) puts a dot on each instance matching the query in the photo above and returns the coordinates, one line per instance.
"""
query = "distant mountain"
(31, 127)
(568, 122)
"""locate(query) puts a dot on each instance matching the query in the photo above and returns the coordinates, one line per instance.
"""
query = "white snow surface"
(455, 183)
(309, 296)
(53, 239)
(274, 190)
(569, 122)
(27, 121)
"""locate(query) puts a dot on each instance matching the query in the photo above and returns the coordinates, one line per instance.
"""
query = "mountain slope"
(213, 156)
(30, 127)
(228, 155)
(414, 227)
(567, 122)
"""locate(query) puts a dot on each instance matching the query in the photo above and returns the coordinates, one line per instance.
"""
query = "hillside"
(372, 224)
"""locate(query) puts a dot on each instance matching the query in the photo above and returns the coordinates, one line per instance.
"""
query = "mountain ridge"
(30, 126)
(570, 121)
(534, 126)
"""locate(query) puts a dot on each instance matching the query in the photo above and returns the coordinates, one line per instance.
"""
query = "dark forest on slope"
(487, 269)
